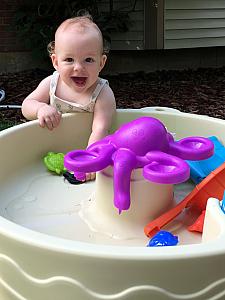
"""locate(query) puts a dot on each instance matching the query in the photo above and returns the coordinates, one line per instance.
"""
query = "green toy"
(55, 162)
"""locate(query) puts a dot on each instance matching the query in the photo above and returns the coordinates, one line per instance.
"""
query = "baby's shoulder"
(106, 98)
(46, 81)
(106, 90)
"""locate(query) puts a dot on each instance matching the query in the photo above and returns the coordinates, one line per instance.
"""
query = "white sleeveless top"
(66, 106)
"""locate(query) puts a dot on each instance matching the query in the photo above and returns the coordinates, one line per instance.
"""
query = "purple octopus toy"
(141, 143)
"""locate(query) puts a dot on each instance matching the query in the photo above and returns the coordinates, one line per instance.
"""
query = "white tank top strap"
(53, 85)
(66, 106)
(98, 89)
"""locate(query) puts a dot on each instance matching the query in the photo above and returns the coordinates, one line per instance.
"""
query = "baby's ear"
(54, 61)
(103, 61)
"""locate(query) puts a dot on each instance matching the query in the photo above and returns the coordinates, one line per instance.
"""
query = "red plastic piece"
(198, 224)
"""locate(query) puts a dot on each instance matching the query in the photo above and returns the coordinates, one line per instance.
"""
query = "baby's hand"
(90, 176)
(48, 116)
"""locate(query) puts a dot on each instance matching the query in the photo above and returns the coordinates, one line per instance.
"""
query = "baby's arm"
(36, 106)
(104, 111)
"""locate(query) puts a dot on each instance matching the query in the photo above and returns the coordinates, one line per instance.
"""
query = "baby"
(75, 86)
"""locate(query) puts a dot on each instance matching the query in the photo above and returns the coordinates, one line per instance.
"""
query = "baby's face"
(78, 57)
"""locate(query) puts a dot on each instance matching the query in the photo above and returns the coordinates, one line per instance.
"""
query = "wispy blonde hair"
(84, 22)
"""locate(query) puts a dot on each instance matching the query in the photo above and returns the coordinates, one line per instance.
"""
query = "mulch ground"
(199, 91)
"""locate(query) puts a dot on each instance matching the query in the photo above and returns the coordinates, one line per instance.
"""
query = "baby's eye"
(89, 59)
(69, 59)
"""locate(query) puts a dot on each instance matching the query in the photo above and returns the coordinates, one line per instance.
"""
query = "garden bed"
(199, 91)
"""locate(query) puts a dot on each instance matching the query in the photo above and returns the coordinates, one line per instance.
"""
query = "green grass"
(6, 124)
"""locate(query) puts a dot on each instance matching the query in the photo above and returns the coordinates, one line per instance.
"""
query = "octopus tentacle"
(165, 168)
(192, 148)
(124, 162)
(89, 161)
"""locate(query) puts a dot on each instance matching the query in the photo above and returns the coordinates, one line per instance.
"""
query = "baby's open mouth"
(80, 81)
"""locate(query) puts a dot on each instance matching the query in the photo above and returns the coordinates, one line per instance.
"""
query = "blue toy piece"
(201, 169)
(163, 238)
(223, 203)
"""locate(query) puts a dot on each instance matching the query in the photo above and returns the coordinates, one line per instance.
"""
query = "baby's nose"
(78, 66)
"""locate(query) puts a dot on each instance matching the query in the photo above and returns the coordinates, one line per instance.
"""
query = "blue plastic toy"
(163, 238)
(201, 169)
(223, 203)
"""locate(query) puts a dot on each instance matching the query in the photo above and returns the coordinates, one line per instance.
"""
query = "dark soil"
(199, 91)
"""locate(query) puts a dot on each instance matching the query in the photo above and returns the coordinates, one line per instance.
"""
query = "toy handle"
(165, 168)
(124, 162)
(192, 148)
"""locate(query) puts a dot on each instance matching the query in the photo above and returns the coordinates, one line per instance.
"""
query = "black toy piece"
(71, 179)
